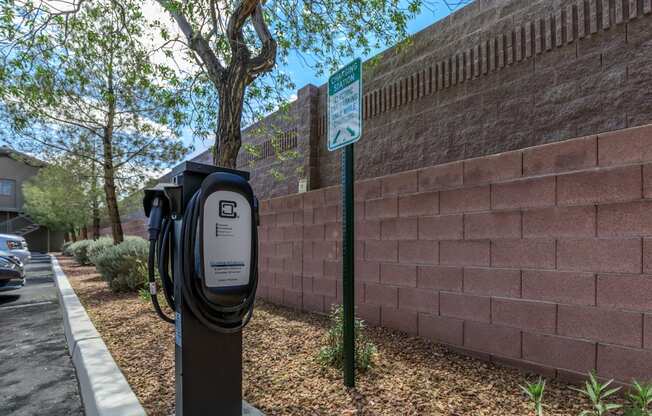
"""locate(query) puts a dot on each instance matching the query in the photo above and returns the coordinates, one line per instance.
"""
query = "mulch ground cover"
(282, 376)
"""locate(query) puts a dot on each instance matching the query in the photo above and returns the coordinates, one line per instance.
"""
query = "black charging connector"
(155, 219)
(156, 245)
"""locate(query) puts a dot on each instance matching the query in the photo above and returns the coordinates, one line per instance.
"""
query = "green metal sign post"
(344, 129)
(348, 256)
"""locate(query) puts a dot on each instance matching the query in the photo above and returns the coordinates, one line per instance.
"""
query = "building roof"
(21, 157)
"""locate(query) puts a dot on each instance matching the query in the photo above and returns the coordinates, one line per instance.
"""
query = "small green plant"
(534, 392)
(640, 400)
(143, 293)
(333, 353)
(597, 394)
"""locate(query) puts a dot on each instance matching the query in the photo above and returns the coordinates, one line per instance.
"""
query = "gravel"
(282, 377)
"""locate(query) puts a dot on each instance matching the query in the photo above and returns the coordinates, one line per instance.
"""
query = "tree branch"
(236, 22)
(198, 44)
(266, 59)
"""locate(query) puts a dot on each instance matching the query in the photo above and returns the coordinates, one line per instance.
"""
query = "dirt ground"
(282, 376)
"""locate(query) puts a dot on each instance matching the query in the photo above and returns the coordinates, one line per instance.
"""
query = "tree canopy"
(89, 71)
(61, 196)
(235, 46)
(108, 73)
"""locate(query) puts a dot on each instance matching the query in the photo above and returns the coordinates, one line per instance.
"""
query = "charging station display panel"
(226, 234)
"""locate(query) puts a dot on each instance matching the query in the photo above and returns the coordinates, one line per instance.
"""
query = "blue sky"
(303, 74)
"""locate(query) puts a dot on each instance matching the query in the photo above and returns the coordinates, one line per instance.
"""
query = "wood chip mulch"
(282, 376)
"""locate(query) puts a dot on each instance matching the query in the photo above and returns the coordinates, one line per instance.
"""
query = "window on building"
(7, 187)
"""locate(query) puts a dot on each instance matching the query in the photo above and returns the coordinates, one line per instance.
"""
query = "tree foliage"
(89, 72)
(61, 195)
(236, 45)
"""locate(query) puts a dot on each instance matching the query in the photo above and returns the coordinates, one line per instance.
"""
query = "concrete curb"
(103, 387)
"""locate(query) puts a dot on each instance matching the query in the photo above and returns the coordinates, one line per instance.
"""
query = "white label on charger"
(227, 239)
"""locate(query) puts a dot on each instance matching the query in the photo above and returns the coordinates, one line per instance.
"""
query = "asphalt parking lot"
(36, 373)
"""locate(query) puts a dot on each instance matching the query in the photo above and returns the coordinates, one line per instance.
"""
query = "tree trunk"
(110, 192)
(96, 222)
(109, 170)
(228, 137)
(84, 233)
(96, 206)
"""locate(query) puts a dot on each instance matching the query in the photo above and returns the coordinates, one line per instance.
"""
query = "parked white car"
(16, 245)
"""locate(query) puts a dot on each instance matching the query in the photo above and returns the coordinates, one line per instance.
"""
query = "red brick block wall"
(540, 257)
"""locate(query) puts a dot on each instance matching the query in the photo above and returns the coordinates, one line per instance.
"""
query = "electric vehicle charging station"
(203, 242)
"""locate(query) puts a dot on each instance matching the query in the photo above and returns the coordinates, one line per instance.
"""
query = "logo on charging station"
(227, 209)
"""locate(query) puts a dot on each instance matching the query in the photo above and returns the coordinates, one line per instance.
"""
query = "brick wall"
(502, 75)
(540, 257)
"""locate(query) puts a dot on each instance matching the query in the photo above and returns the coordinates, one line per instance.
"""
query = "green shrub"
(333, 353)
(65, 248)
(124, 266)
(96, 248)
(79, 251)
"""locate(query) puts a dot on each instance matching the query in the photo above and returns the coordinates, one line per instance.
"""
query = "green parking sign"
(345, 106)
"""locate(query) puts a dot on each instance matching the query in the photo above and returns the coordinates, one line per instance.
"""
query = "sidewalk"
(36, 372)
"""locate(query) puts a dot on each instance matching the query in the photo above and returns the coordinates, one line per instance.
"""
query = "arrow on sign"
(351, 131)
(337, 135)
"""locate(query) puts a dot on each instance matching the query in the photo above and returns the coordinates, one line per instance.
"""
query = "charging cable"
(160, 243)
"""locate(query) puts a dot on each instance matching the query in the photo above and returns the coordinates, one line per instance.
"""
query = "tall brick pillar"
(308, 140)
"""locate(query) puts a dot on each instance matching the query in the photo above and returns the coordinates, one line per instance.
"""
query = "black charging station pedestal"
(208, 364)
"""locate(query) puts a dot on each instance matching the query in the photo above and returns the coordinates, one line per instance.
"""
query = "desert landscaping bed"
(283, 377)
